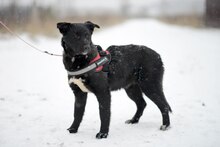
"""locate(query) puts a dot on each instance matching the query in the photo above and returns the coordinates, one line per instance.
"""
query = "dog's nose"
(86, 50)
(86, 47)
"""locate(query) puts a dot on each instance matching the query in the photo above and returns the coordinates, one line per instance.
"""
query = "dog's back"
(129, 63)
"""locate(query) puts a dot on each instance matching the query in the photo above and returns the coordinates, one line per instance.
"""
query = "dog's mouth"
(85, 52)
(72, 54)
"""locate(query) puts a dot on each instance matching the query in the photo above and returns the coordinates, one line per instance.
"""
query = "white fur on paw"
(128, 121)
(164, 127)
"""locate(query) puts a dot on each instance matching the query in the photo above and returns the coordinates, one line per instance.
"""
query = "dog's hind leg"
(134, 93)
(154, 91)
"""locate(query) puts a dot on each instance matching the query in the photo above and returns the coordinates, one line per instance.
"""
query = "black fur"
(137, 69)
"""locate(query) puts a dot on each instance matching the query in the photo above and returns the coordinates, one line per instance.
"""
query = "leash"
(30, 45)
(95, 65)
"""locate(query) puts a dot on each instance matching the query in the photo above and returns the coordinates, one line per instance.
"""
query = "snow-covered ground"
(36, 104)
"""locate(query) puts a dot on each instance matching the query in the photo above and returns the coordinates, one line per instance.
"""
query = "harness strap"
(96, 64)
(99, 68)
(91, 67)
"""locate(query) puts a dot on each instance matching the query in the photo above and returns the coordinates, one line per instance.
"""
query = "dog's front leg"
(104, 99)
(79, 108)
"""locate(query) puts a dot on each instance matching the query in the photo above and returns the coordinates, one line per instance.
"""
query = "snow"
(36, 103)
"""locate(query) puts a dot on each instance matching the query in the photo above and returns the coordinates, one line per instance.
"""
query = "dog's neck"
(79, 61)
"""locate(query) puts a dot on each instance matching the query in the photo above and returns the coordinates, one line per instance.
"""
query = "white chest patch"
(79, 83)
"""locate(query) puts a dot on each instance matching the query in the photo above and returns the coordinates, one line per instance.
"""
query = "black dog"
(137, 69)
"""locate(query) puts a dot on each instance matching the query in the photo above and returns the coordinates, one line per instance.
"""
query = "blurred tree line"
(38, 19)
(212, 17)
(35, 18)
(31, 18)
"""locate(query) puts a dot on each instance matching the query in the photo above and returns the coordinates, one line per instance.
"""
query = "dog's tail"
(171, 111)
(169, 108)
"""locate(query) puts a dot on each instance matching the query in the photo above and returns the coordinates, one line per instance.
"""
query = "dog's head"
(76, 38)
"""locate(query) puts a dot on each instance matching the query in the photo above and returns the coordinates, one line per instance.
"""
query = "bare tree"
(212, 13)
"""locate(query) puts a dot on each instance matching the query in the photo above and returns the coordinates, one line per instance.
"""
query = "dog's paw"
(164, 127)
(101, 135)
(72, 130)
(132, 121)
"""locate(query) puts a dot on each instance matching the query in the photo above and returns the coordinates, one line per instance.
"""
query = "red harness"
(97, 58)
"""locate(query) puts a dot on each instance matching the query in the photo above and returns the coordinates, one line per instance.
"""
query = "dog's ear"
(63, 27)
(91, 25)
